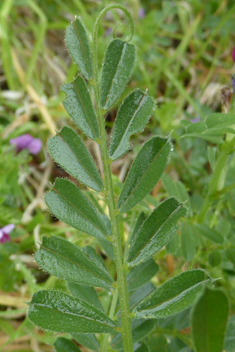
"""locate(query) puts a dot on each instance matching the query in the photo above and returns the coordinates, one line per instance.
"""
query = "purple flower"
(233, 54)
(26, 141)
(4, 233)
(141, 13)
(195, 120)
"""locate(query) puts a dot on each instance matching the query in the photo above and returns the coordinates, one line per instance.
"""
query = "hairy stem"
(113, 213)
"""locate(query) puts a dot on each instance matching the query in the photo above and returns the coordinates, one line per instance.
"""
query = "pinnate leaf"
(79, 106)
(62, 344)
(145, 172)
(69, 151)
(132, 116)
(79, 48)
(174, 296)
(69, 204)
(156, 231)
(117, 69)
(141, 274)
(58, 311)
(68, 262)
(209, 319)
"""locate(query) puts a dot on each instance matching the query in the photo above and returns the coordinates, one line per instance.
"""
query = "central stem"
(108, 184)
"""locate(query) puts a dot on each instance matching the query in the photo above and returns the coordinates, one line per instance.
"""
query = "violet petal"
(141, 13)
(35, 146)
(4, 237)
(8, 228)
(21, 142)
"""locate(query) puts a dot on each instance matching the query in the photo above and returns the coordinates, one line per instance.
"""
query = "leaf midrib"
(128, 125)
(79, 211)
(143, 175)
(80, 162)
(84, 109)
(155, 233)
(77, 264)
(175, 296)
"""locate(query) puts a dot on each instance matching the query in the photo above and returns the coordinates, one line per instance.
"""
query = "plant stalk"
(108, 185)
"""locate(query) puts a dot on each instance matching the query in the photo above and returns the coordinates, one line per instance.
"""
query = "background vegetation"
(183, 59)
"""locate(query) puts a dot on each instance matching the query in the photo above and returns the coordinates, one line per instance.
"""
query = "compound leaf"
(68, 262)
(145, 172)
(174, 296)
(209, 319)
(69, 204)
(58, 311)
(132, 116)
(117, 68)
(69, 151)
(156, 231)
(79, 106)
(79, 48)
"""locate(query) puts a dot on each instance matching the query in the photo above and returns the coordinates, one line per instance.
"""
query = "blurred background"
(184, 58)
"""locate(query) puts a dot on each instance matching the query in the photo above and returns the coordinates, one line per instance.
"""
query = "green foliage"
(69, 204)
(200, 171)
(145, 172)
(67, 261)
(117, 68)
(173, 296)
(79, 106)
(79, 48)
(58, 311)
(209, 319)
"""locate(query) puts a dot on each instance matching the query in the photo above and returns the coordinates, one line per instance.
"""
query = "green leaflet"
(208, 321)
(132, 116)
(209, 233)
(145, 172)
(156, 231)
(69, 204)
(62, 344)
(87, 294)
(68, 262)
(141, 292)
(141, 274)
(173, 296)
(189, 240)
(58, 311)
(140, 328)
(229, 343)
(79, 48)
(69, 151)
(117, 68)
(79, 106)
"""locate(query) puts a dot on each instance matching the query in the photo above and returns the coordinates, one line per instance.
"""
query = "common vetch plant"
(131, 315)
